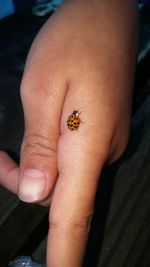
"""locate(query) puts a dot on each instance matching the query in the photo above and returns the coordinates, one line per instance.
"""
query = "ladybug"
(73, 121)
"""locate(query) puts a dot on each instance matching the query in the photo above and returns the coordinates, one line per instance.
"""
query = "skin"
(82, 59)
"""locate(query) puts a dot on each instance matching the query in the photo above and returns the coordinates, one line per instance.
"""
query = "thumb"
(38, 166)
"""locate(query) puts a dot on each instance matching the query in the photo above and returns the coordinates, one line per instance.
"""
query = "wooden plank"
(17, 228)
(40, 253)
(8, 203)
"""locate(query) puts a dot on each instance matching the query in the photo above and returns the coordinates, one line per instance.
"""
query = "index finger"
(81, 155)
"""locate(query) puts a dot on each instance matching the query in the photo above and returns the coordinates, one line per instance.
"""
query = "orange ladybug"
(73, 121)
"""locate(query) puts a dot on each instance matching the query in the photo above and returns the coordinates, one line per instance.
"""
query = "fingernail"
(32, 185)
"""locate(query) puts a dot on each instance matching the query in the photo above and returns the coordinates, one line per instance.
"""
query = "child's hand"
(83, 59)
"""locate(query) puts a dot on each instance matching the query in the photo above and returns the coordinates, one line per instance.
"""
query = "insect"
(73, 121)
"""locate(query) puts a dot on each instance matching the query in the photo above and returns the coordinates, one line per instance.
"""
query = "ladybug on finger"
(73, 121)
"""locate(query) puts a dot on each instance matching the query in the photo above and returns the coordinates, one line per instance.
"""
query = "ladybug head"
(75, 113)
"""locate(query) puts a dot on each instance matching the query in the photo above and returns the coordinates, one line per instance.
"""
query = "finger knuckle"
(80, 226)
(39, 87)
(38, 146)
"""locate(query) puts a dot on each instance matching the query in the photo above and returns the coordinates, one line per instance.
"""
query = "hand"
(81, 60)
